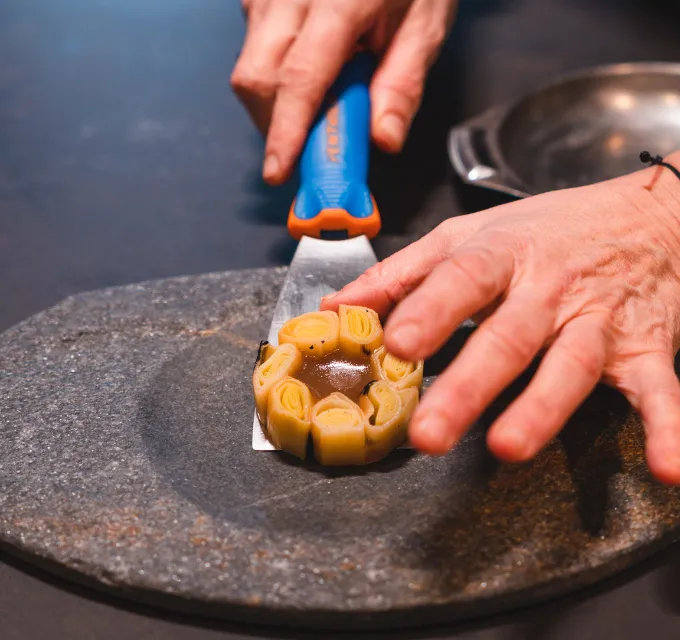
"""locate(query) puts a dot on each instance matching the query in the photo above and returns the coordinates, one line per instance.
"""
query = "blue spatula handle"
(334, 200)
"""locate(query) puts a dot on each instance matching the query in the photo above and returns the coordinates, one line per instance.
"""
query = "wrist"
(655, 193)
(660, 185)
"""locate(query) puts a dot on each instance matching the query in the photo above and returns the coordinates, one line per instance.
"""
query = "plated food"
(332, 381)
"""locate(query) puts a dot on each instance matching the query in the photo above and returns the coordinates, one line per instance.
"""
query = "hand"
(295, 49)
(593, 274)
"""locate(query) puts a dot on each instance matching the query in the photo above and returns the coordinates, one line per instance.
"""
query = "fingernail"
(407, 336)
(392, 126)
(271, 167)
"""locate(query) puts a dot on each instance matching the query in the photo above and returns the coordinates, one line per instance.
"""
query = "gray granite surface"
(125, 462)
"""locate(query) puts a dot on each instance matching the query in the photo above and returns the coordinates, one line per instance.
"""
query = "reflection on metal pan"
(583, 128)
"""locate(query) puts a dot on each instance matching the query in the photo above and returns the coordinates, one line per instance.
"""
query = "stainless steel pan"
(583, 128)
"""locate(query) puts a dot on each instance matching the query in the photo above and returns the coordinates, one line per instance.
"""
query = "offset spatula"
(334, 214)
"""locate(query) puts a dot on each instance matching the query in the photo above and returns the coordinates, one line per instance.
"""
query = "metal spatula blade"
(319, 267)
(333, 200)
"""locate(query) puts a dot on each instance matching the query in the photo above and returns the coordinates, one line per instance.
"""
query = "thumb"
(397, 87)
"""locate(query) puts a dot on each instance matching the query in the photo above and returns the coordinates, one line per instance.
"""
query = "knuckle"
(448, 227)
(352, 9)
(479, 268)
(245, 80)
(513, 341)
(551, 296)
(462, 401)
(407, 88)
(467, 400)
(341, 10)
(296, 74)
(403, 86)
(369, 279)
(450, 234)
(238, 80)
(377, 278)
(589, 362)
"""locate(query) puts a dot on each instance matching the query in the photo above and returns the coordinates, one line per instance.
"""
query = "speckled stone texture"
(125, 462)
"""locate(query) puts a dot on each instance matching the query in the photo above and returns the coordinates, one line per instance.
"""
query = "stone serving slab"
(126, 464)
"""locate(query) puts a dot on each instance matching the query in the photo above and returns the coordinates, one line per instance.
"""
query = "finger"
(655, 393)
(470, 280)
(568, 373)
(500, 350)
(324, 44)
(390, 281)
(255, 76)
(397, 86)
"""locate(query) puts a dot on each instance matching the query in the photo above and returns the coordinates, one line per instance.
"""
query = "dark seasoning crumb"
(365, 390)
(260, 353)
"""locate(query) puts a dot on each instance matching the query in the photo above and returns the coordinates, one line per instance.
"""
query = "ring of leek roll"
(339, 431)
(388, 411)
(282, 362)
(289, 413)
(397, 372)
(311, 386)
(314, 334)
(360, 330)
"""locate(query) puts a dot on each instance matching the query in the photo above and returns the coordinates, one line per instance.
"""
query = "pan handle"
(470, 141)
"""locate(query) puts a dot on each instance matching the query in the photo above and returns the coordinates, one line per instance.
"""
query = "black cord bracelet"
(648, 158)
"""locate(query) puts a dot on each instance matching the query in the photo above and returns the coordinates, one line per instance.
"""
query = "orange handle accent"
(334, 221)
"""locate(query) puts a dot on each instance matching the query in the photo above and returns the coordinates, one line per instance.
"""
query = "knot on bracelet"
(647, 158)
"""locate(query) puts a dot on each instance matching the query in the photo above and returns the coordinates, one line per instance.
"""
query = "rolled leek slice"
(281, 362)
(360, 330)
(314, 334)
(400, 373)
(289, 416)
(338, 431)
(388, 412)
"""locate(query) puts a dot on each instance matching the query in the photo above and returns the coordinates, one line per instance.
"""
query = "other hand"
(295, 49)
(591, 275)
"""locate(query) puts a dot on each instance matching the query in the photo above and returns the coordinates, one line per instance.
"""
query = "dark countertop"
(124, 157)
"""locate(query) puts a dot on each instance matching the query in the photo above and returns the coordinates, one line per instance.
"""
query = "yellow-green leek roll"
(360, 330)
(400, 373)
(289, 413)
(314, 334)
(283, 361)
(338, 431)
(388, 411)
